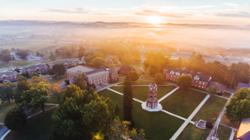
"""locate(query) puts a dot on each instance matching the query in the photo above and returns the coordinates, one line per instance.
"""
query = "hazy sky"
(180, 11)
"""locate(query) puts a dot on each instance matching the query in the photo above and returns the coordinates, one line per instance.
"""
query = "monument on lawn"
(152, 104)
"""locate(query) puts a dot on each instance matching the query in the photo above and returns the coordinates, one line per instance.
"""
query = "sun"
(155, 20)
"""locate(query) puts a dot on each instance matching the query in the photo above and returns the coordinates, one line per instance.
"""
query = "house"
(35, 69)
(243, 85)
(243, 132)
(113, 74)
(68, 63)
(97, 77)
(198, 80)
(218, 87)
(8, 76)
(201, 81)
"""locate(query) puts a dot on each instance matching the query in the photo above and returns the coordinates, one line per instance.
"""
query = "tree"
(159, 78)
(15, 119)
(239, 106)
(58, 69)
(22, 53)
(81, 114)
(154, 66)
(81, 81)
(133, 75)
(127, 100)
(98, 62)
(81, 52)
(22, 85)
(5, 55)
(35, 97)
(7, 91)
(120, 130)
(184, 81)
(240, 70)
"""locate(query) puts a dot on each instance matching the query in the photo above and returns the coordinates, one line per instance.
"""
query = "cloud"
(148, 12)
(240, 14)
(69, 11)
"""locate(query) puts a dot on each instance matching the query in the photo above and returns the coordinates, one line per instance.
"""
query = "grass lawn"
(141, 92)
(158, 126)
(37, 128)
(4, 108)
(183, 102)
(193, 133)
(211, 109)
(224, 132)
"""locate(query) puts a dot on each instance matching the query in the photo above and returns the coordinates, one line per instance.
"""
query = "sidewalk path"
(202, 91)
(183, 126)
(117, 92)
(164, 111)
(232, 134)
(169, 93)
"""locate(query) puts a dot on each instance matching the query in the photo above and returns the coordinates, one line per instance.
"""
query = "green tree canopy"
(35, 97)
(239, 106)
(7, 92)
(15, 119)
(81, 114)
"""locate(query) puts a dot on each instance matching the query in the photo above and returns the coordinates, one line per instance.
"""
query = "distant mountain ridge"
(116, 24)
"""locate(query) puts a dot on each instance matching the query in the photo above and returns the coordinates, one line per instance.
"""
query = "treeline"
(156, 62)
(81, 113)
(105, 56)
(5, 55)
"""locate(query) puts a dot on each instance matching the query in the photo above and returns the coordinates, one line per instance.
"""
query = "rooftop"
(244, 129)
(80, 69)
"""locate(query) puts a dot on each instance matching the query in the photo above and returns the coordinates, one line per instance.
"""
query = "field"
(181, 103)
(158, 126)
(178, 106)
(141, 92)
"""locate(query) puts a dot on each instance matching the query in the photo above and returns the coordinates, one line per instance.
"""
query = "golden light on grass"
(155, 20)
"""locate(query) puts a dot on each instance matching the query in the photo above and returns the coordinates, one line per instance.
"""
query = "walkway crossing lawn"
(141, 92)
(37, 128)
(183, 102)
(193, 133)
(224, 132)
(211, 109)
(157, 126)
(4, 108)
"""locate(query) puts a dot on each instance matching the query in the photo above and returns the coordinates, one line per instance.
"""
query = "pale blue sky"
(197, 11)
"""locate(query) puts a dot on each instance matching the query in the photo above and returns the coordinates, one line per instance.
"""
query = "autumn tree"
(159, 78)
(121, 130)
(155, 62)
(58, 70)
(184, 81)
